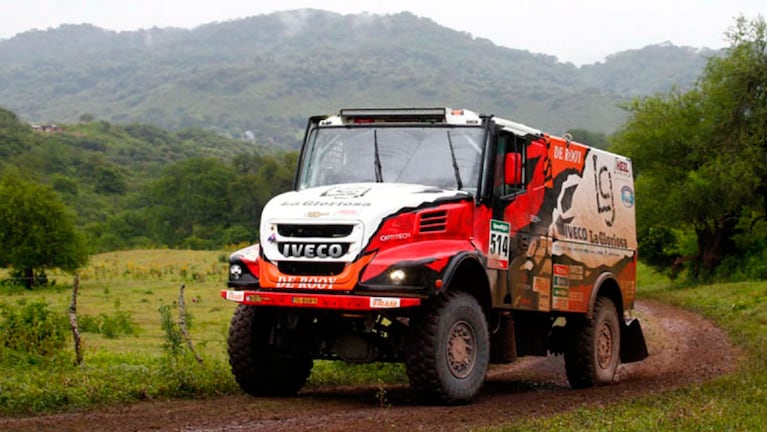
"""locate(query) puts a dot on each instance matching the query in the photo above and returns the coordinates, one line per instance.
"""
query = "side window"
(510, 175)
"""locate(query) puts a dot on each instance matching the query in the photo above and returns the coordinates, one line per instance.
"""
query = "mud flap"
(633, 346)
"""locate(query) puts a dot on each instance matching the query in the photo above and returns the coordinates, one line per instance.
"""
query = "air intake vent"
(433, 222)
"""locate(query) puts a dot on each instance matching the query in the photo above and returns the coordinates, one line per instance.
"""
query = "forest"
(135, 185)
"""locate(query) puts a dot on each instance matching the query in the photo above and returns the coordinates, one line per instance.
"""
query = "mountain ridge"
(261, 76)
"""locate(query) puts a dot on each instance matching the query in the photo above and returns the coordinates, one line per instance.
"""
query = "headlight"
(235, 271)
(397, 276)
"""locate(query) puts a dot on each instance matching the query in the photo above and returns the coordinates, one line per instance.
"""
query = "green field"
(129, 368)
(124, 368)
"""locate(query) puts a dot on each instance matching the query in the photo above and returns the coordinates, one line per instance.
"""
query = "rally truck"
(444, 239)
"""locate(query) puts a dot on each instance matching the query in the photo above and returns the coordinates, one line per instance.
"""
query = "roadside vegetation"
(733, 402)
(128, 315)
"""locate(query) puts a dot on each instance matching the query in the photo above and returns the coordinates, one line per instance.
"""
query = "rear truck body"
(443, 239)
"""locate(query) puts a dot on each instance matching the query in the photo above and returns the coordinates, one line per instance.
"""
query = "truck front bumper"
(318, 301)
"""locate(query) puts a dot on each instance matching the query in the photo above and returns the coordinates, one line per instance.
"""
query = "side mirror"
(513, 170)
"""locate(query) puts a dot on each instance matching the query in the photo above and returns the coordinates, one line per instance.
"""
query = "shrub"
(32, 328)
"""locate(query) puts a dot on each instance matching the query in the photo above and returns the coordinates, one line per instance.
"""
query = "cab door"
(518, 206)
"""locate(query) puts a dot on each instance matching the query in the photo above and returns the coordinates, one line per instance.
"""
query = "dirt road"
(684, 349)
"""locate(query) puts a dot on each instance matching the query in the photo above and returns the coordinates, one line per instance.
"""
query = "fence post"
(73, 320)
(182, 322)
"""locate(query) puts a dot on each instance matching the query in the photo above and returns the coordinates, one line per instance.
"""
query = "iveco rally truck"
(444, 239)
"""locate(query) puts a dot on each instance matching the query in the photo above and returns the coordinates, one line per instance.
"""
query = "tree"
(190, 200)
(701, 158)
(592, 138)
(36, 230)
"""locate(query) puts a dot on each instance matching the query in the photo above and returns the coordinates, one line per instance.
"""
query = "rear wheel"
(448, 350)
(258, 365)
(592, 356)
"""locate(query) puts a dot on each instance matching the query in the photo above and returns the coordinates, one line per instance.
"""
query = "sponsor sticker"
(627, 196)
(317, 214)
(561, 290)
(542, 286)
(622, 167)
(346, 192)
(304, 300)
(561, 270)
(384, 302)
(498, 245)
(237, 296)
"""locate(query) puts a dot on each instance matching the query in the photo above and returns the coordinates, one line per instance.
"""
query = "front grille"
(432, 222)
(321, 231)
(310, 268)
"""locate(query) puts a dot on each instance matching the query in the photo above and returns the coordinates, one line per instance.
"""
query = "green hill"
(262, 76)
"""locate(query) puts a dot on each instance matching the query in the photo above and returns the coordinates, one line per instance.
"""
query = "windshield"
(446, 157)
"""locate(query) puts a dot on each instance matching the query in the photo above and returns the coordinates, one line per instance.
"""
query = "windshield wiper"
(456, 170)
(378, 170)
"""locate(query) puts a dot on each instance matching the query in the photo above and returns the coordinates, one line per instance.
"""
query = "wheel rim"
(605, 346)
(461, 354)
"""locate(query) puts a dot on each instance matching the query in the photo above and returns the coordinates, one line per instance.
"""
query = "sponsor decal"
(321, 203)
(312, 250)
(237, 296)
(304, 300)
(316, 214)
(603, 182)
(568, 154)
(347, 212)
(306, 282)
(561, 290)
(542, 286)
(573, 232)
(622, 167)
(561, 270)
(272, 235)
(627, 196)
(346, 192)
(498, 245)
(576, 272)
(396, 236)
(384, 302)
(255, 298)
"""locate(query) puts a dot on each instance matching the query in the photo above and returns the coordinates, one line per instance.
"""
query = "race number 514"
(498, 250)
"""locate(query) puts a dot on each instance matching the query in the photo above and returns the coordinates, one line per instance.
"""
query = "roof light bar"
(394, 112)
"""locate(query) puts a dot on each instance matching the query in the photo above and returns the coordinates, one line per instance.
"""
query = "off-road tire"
(259, 368)
(448, 350)
(593, 351)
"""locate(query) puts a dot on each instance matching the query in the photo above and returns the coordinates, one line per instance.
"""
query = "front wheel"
(259, 366)
(448, 350)
(592, 356)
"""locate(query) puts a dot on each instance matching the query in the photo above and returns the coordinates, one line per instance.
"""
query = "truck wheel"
(258, 366)
(448, 350)
(592, 355)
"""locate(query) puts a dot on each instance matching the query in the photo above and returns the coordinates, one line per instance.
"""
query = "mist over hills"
(262, 76)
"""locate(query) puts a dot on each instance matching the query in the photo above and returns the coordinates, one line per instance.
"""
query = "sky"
(577, 31)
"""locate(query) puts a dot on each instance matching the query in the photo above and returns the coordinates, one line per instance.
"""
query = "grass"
(129, 368)
(121, 367)
(734, 402)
